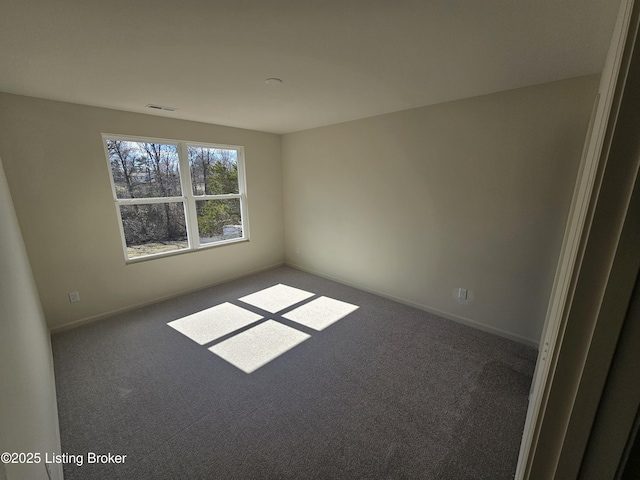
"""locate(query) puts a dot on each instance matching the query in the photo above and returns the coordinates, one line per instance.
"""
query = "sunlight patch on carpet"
(259, 345)
(250, 347)
(215, 322)
(276, 298)
(320, 313)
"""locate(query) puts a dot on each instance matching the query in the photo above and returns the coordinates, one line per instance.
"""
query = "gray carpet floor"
(387, 392)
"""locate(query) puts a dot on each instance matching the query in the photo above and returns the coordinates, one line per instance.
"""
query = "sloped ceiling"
(339, 60)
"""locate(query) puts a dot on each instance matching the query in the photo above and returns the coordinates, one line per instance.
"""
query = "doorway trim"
(595, 152)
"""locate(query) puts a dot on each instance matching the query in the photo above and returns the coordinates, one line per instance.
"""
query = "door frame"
(586, 192)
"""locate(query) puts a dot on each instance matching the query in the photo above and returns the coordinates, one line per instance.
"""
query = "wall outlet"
(74, 297)
(463, 296)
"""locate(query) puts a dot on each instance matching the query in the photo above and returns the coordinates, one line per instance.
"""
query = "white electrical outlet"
(462, 293)
(74, 297)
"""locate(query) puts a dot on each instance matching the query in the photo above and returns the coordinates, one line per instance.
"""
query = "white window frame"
(187, 198)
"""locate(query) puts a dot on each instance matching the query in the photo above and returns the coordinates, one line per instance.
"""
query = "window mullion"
(242, 190)
(187, 191)
(148, 200)
(226, 196)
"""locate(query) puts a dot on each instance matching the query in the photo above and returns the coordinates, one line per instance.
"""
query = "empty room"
(305, 240)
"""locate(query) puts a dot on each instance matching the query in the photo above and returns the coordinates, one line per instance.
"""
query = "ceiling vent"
(161, 107)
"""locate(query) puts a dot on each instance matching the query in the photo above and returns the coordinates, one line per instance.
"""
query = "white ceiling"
(340, 59)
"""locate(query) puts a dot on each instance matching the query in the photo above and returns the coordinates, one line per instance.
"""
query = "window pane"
(219, 220)
(153, 228)
(214, 171)
(143, 170)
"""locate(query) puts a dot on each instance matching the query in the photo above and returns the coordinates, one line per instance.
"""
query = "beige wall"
(413, 205)
(58, 176)
(28, 409)
(472, 194)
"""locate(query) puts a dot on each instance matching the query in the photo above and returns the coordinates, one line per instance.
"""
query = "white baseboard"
(102, 316)
(449, 316)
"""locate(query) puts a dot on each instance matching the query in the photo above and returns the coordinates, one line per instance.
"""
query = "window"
(173, 196)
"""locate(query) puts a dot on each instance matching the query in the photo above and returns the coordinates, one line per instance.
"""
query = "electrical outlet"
(463, 296)
(74, 297)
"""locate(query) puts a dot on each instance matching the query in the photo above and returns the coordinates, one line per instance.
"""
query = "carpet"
(286, 375)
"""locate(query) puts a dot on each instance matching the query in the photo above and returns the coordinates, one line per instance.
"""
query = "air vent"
(161, 107)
